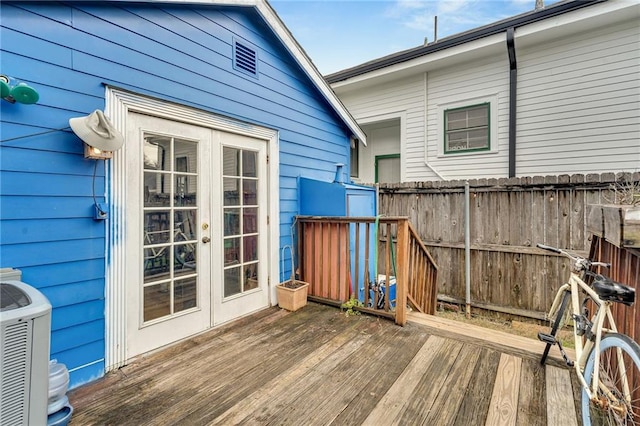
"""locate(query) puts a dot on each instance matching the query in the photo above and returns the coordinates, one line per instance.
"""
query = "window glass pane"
(250, 248)
(249, 220)
(186, 156)
(249, 192)
(157, 301)
(231, 191)
(457, 141)
(156, 227)
(231, 251)
(231, 222)
(250, 276)
(230, 162)
(156, 189)
(184, 222)
(157, 151)
(478, 113)
(186, 188)
(232, 281)
(185, 294)
(184, 259)
(456, 120)
(478, 139)
(156, 263)
(249, 164)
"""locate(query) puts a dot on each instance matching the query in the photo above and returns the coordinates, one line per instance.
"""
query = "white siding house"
(549, 92)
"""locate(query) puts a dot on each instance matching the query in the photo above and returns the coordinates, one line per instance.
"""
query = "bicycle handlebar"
(549, 248)
(587, 263)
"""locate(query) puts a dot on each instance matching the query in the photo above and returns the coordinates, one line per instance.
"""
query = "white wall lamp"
(21, 92)
(100, 137)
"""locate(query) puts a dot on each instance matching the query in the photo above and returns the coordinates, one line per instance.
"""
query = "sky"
(339, 34)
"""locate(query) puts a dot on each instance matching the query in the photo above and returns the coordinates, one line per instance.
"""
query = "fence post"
(402, 277)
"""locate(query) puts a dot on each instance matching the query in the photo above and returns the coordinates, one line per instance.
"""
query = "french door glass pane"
(157, 190)
(232, 281)
(184, 294)
(249, 164)
(157, 301)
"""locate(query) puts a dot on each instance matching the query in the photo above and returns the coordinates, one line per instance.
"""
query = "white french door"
(168, 232)
(196, 230)
(242, 204)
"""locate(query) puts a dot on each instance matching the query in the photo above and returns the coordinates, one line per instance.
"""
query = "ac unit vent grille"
(245, 59)
(16, 363)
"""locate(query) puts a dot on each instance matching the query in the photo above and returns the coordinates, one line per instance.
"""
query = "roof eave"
(459, 39)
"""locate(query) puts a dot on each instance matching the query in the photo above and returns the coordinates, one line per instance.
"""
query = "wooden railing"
(380, 262)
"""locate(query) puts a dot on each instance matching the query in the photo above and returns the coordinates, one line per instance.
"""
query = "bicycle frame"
(583, 349)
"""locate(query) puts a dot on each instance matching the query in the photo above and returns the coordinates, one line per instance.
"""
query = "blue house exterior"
(221, 112)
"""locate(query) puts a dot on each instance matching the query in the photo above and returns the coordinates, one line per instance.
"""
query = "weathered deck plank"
(560, 404)
(532, 402)
(475, 403)
(503, 409)
(316, 366)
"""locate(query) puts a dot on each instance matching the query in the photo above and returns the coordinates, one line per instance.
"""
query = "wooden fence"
(338, 259)
(508, 217)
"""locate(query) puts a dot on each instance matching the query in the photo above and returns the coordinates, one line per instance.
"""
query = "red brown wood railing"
(344, 257)
(625, 268)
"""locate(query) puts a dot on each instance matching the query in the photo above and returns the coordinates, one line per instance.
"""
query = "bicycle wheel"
(610, 407)
(556, 324)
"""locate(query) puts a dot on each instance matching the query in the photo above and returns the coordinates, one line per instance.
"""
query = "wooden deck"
(316, 367)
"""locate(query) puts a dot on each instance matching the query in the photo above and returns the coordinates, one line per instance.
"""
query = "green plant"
(349, 306)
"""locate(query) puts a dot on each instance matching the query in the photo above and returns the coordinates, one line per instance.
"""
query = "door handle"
(206, 240)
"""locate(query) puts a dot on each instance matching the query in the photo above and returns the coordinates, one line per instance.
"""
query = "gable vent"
(245, 59)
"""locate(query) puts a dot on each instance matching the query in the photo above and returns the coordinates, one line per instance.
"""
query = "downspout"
(513, 79)
(426, 144)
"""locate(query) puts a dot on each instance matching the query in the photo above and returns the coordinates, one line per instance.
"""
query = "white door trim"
(118, 104)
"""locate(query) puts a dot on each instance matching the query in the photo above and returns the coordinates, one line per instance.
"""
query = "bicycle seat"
(612, 291)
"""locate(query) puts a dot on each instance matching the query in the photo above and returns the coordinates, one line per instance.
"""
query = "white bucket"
(58, 383)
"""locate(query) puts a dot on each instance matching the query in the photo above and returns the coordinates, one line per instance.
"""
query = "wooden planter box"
(618, 224)
(292, 295)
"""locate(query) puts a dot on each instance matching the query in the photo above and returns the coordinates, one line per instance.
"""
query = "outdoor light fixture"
(100, 137)
(21, 92)
(96, 154)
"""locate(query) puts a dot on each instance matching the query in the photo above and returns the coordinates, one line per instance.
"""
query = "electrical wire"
(64, 129)
(93, 189)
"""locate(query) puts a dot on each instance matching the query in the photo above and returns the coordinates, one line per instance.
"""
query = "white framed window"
(468, 127)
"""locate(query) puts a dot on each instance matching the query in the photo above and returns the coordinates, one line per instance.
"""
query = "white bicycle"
(608, 362)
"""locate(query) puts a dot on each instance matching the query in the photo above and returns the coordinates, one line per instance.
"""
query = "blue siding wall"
(178, 53)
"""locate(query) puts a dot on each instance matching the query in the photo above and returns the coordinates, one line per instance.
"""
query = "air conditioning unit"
(25, 320)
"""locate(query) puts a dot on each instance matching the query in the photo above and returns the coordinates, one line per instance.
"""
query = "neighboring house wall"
(181, 54)
(577, 101)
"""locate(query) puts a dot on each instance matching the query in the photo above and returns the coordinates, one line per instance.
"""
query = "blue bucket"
(60, 418)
